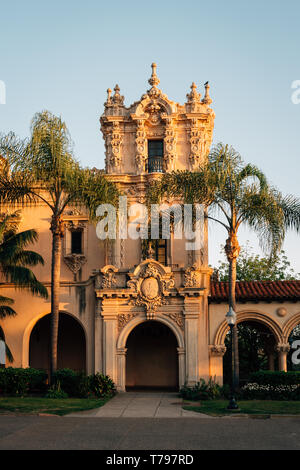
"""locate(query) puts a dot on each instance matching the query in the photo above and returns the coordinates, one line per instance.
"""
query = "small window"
(76, 241)
(161, 251)
(155, 155)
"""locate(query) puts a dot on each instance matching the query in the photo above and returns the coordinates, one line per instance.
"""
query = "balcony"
(155, 165)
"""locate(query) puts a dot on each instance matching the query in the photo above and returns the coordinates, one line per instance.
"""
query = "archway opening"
(152, 359)
(71, 350)
(256, 350)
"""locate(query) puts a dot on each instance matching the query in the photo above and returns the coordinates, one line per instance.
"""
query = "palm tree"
(43, 168)
(14, 262)
(234, 194)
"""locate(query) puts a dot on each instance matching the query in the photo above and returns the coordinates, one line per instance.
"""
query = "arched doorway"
(152, 359)
(256, 350)
(71, 344)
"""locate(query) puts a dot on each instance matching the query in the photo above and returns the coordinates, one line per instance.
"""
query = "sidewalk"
(142, 405)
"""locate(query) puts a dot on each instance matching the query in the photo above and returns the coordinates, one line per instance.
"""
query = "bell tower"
(180, 134)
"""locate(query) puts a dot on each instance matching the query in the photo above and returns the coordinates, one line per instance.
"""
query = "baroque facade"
(147, 319)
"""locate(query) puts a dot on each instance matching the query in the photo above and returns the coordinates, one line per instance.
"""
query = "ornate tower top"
(156, 134)
(154, 80)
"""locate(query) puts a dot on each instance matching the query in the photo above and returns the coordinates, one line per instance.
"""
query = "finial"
(207, 99)
(117, 98)
(193, 96)
(154, 80)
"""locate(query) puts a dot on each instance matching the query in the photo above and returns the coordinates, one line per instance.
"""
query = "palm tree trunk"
(232, 250)
(55, 288)
(232, 303)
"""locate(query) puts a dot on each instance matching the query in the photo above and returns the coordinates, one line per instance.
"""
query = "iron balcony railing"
(155, 165)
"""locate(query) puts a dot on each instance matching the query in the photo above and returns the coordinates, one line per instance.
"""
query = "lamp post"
(231, 319)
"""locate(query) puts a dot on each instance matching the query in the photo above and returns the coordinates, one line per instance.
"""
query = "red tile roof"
(256, 291)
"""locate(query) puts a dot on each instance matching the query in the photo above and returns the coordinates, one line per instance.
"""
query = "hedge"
(20, 382)
(269, 377)
(77, 384)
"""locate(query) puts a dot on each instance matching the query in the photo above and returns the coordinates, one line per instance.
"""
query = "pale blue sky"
(63, 55)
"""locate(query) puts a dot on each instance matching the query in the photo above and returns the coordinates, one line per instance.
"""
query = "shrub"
(201, 390)
(56, 392)
(20, 382)
(269, 377)
(101, 386)
(70, 381)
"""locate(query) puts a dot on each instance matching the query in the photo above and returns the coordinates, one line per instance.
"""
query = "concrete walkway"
(142, 405)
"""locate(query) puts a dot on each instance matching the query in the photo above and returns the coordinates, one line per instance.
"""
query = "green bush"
(20, 382)
(201, 391)
(101, 385)
(269, 377)
(69, 381)
(56, 392)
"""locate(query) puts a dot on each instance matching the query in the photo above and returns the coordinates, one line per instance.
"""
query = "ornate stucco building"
(148, 319)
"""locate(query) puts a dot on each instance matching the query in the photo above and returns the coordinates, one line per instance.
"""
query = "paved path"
(142, 405)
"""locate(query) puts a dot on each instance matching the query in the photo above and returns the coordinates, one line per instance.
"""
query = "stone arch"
(289, 326)
(250, 315)
(31, 325)
(122, 340)
(121, 343)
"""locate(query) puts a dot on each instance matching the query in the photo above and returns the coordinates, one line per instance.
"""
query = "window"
(161, 251)
(155, 156)
(76, 241)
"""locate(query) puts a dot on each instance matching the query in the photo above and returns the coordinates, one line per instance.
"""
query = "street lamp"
(231, 319)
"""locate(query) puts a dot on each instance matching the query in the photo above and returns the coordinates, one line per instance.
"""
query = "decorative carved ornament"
(125, 318)
(109, 279)
(217, 350)
(177, 318)
(141, 146)
(151, 282)
(192, 277)
(169, 146)
(75, 262)
(113, 152)
(196, 145)
(282, 347)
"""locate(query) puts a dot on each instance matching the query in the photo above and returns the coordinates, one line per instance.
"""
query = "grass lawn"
(56, 406)
(253, 407)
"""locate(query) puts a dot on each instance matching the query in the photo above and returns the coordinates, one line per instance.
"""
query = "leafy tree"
(42, 168)
(253, 267)
(234, 194)
(15, 263)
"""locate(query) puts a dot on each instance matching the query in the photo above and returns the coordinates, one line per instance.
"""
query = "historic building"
(146, 318)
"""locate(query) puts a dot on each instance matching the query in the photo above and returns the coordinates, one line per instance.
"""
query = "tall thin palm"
(234, 194)
(43, 168)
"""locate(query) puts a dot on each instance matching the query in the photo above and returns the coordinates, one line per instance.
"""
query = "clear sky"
(63, 55)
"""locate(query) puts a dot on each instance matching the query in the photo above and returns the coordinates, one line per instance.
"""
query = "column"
(217, 352)
(98, 338)
(282, 349)
(191, 313)
(121, 367)
(181, 366)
